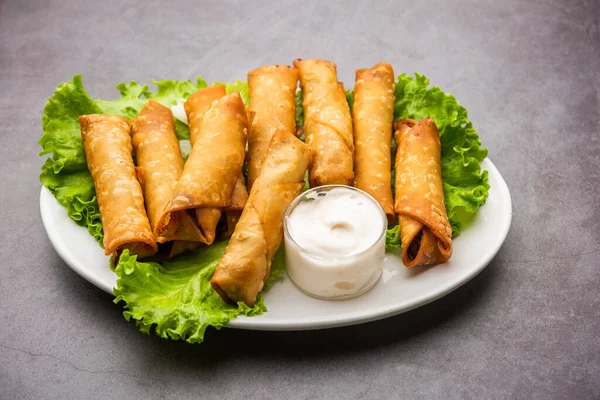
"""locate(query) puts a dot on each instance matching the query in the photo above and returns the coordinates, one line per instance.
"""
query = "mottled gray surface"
(526, 327)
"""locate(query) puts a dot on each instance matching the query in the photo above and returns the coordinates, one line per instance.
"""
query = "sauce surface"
(335, 242)
(337, 223)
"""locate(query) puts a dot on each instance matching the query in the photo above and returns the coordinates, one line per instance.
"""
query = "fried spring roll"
(424, 227)
(107, 143)
(195, 107)
(327, 123)
(198, 104)
(160, 165)
(245, 266)
(211, 172)
(372, 116)
(272, 98)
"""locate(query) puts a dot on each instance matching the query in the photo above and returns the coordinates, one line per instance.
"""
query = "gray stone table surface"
(527, 327)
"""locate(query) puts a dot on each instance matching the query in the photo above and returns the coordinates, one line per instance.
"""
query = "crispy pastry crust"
(372, 117)
(327, 123)
(424, 227)
(107, 143)
(218, 131)
(272, 91)
(245, 266)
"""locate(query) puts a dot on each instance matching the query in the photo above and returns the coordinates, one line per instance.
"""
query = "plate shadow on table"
(219, 346)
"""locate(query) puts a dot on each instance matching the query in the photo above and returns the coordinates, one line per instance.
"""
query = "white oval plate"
(400, 289)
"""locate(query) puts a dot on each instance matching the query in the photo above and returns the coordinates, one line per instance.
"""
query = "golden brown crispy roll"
(198, 104)
(272, 91)
(107, 143)
(195, 107)
(327, 123)
(160, 165)
(424, 227)
(159, 161)
(372, 116)
(245, 266)
(211, 172)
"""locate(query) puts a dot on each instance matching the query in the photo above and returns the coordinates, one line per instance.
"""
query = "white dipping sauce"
(335, 241)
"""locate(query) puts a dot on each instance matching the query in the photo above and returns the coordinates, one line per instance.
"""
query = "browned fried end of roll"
(181, 246)
(372, 117)
(424, 227)
(272, 90)
(238, 201)
(327, 123)
(232, 218)
(107, 144)
(246, 264)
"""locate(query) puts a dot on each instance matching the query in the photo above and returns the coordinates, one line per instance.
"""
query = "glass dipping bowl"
(334, 277)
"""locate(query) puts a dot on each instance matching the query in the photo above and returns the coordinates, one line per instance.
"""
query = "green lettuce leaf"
(130, 103)
(465, 184)
(392, 239)
(174, 298)
(350, 98)
(237, 86)
(75, 191)
(277, 268)
(170, 93)
(182, 131)
(61, 136)
(299, 110)
(65, 171)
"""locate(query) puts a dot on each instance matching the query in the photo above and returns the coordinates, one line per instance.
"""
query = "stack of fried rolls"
(162, 200)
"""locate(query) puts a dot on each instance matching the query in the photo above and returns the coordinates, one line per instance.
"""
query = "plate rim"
(255, 323)
(63, 251)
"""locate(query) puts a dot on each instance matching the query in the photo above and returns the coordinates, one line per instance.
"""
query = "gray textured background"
(526, 327)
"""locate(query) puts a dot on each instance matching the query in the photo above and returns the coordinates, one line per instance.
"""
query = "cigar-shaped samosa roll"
(372, 116)
(159, 162)
(272, 91)
(198, 104)
(245, 266)
(214, 166)
(107, 143)
(327, 123)
(424, 227)
(195, 107)
(159, 166)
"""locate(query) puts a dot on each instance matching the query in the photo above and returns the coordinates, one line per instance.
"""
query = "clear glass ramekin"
(321, 276)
